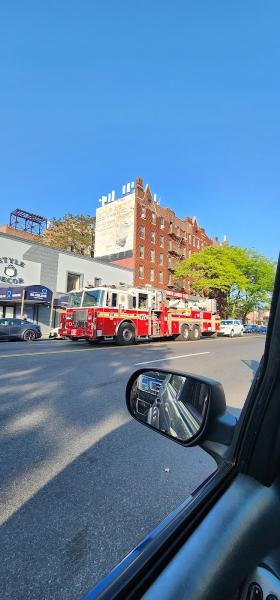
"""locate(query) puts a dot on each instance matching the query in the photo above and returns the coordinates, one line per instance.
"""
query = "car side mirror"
(189, 409)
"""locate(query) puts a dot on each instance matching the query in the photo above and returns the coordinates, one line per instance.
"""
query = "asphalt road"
(81, 482)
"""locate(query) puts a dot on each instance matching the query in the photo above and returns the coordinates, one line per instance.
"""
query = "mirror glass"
(171, 403)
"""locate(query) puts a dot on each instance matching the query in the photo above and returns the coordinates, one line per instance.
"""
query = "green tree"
(74, 233)
(240, 279)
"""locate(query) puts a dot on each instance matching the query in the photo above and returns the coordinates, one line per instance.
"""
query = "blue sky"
(185, 94)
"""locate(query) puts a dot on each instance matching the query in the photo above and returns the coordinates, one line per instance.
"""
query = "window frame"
(81, 278)
(142, 229)
(141, 276)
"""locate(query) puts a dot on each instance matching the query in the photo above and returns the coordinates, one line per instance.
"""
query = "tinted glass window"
(75, 299)
(93, 298)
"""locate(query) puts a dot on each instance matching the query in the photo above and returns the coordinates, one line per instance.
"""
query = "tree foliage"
(240, 279)
(73, 233)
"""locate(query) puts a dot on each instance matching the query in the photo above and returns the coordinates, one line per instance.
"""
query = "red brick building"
(153, 237)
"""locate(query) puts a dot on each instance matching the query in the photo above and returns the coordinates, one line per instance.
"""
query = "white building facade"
(40, 272)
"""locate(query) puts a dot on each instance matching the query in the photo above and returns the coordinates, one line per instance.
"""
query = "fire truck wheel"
(195, 333)
(126, 334)
(184, 335)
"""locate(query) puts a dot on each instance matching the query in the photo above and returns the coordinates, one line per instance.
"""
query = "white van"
(232, 327)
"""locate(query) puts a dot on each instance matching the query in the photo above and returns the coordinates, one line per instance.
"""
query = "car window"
(4, 322)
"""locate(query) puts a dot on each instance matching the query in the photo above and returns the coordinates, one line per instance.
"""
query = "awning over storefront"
(32, 293)
(62, 301)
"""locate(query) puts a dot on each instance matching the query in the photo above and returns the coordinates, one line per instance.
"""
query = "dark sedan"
(19, 329)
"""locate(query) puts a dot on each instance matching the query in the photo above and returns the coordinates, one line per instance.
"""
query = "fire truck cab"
(128, 314)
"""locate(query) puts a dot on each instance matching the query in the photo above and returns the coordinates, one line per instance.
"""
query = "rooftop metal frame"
(29, 222)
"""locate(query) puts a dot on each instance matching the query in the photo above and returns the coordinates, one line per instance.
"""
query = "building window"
(161, 259)
(154, 219)
(142, 231)
(170, 279)
(74, 281)
(141, 272)
(152, 275)
(153, 237)
(160, 277)
(169, 262)
(161, 241)
(161, 222)
(143, 212)
(141, 251)
(97, 281)
(170, 245)
(170, 227)
(152, 255)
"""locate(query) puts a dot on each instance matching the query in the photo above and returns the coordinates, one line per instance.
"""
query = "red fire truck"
(132, 314)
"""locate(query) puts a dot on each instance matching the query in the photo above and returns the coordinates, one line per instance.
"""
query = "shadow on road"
(81, 482)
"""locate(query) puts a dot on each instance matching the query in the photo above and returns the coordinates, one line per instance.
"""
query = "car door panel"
(4, 329)
(225, 548)
(15, 328)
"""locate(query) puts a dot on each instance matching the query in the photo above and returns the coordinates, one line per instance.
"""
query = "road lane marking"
(41, 353)
(147, 362)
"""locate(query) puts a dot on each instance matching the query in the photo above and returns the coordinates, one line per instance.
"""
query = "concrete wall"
(29, 273)
(89, 269)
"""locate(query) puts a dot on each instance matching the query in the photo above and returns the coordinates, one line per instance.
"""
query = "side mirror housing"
(187, 408)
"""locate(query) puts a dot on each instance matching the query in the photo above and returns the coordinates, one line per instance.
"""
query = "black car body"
(19, 329)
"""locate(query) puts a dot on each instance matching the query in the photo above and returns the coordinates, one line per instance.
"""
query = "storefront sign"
(10, 293)
(38, 293)
(11, 270)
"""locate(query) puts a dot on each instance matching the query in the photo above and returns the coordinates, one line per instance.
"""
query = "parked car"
(250, 328)
(262, 329)
(54, 334)
(19, 329)
(232, 327)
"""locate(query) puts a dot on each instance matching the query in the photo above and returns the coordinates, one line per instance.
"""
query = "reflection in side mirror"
(173, 403)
